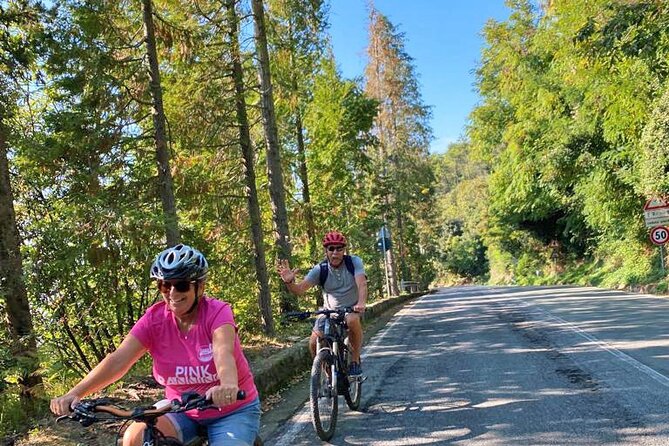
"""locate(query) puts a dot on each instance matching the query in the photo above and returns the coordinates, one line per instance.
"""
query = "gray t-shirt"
(339, 289)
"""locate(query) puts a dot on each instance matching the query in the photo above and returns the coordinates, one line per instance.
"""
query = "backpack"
(348, 261)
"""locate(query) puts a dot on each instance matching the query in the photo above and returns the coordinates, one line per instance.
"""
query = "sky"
(444, 39)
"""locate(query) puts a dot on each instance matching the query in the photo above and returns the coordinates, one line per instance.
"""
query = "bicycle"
(329, 372)
(88, 412)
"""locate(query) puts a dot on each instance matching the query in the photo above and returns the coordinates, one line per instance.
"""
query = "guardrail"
(409, 286)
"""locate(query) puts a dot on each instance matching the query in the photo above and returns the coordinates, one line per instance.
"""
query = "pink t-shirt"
(184, 361)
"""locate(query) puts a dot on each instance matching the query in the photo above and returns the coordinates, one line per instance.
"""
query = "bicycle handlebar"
(302, 315)
(85, 411)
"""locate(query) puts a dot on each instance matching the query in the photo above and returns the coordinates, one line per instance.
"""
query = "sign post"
(656, 216)
(656, 212)
(662, 258)
(659, 235)
(383, 243)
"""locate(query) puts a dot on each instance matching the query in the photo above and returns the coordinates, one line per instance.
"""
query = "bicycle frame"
(334, 340)
(329, 371)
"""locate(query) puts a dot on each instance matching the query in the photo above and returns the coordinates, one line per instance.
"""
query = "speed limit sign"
(659, 235)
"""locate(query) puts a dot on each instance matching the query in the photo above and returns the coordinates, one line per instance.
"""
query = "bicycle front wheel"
(323, 396)
(354, 386)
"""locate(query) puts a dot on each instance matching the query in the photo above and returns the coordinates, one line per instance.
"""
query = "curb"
(279, 369)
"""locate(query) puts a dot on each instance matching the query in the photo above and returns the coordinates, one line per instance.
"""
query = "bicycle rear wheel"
(323, 396)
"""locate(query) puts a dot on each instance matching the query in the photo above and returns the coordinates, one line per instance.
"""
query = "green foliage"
(626, 263)
(654, 143)
(84, 171)
(11, 414)
(466, 257)
(338, 124)
(461, 214)
(12, 418)
(570, 96)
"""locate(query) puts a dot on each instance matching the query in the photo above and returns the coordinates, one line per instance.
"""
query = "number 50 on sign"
(659, 235)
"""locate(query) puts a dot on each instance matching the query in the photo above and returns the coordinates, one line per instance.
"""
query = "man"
(344, 284)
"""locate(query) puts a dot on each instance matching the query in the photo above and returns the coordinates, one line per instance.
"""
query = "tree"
(249, 170)
(273, 151)
(655, 146)
(461, 222)
(19, 24)
(404, 134)
(297, 37)
(567, 94)
(12, 286)
(160, 137)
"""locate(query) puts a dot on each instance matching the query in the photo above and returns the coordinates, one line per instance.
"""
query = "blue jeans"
(239, 428)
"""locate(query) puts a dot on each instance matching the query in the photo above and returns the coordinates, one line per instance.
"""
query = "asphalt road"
(510, 366)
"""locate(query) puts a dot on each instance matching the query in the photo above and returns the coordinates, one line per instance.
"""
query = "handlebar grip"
(241, 395)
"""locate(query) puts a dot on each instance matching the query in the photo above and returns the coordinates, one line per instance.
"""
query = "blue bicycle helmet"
(179, 262)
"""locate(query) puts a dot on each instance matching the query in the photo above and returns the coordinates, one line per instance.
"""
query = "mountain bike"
(329, 372)
(90, 411)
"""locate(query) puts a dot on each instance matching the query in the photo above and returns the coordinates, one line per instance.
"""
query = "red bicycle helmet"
(334, 238)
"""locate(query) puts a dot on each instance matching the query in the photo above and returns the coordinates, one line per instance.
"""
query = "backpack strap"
(348, 261)
(324, 272)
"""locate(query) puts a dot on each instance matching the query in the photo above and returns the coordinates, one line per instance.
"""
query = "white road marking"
(648, 371)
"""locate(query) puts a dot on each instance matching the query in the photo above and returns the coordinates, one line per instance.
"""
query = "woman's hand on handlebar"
(223, 394)
(63, 405)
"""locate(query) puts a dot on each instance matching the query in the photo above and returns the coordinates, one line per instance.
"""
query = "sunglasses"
(335, 248)
(180, 285)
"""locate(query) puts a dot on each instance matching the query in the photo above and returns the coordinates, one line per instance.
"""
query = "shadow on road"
(469, 367)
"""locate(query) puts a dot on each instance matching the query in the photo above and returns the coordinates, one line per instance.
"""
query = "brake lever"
(63, 417)
(295, 316)
(84, 418)
(82, 411)
(192, 400)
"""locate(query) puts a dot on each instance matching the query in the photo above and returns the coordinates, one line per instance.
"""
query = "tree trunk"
(12, 286)
(264, 301)
(401, 249)
(274, 170)
(306, 197)
(166, 188)
(306, 194)
(73, 339)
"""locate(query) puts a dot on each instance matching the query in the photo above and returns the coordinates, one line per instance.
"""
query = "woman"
(193, 341)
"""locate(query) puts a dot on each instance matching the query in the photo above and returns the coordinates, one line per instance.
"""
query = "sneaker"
(355, 370)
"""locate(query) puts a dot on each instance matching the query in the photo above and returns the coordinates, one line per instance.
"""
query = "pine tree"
(19, 23)
(297, 37)
(273, 151)
(403, 133)
(160, 135)
(249, 169)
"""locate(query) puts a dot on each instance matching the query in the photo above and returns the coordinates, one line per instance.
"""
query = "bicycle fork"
(332, 348)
